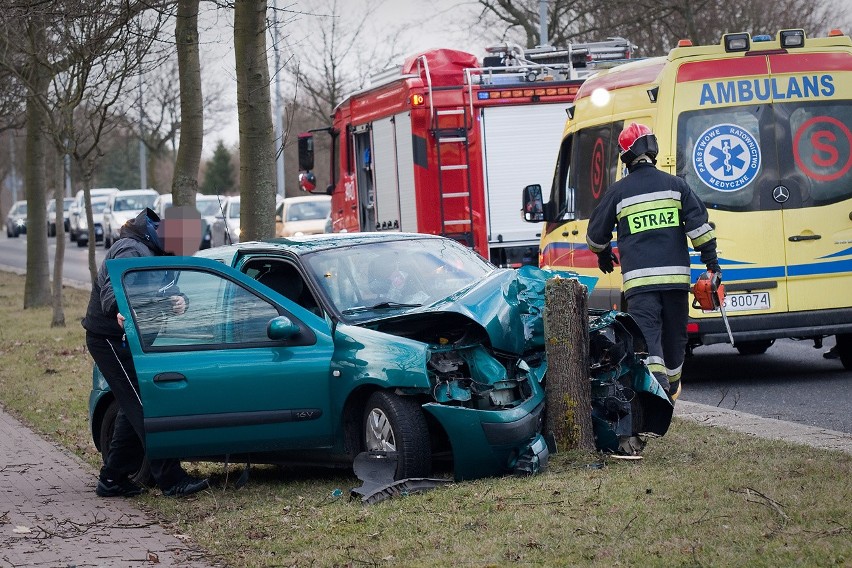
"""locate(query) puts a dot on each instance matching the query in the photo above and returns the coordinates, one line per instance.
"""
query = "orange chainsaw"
(709, 295)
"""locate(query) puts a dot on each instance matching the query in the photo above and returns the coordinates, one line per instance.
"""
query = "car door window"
(219, 312)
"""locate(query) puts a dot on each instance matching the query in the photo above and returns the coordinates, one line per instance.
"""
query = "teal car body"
(314, 349)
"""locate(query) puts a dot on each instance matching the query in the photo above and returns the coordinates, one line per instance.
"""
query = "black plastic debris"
(376, 470)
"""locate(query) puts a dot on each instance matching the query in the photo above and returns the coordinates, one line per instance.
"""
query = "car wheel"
(81, 242)
(107, 241)
(142, 469)
(396, 423)
(844, 347)
(754, 347)
(8, 232)
(51, 230)
(72, 235)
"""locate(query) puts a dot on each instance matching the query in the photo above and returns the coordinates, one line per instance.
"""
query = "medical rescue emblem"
(726, 157)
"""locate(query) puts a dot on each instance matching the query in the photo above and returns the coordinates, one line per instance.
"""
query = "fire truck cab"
(441, 143)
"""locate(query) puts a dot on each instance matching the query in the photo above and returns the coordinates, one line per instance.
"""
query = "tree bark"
(185, 181)
(37, 283)
(254, 109)
(568, 390)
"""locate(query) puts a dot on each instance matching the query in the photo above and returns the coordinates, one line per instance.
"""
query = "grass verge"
(700, 496)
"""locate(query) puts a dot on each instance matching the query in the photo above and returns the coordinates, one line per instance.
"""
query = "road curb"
(768, 428)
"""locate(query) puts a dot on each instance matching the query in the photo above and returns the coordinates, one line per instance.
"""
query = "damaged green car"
(312, 350)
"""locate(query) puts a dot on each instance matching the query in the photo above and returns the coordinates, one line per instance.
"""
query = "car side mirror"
(306, 151)
(533, 204)
(282, 327)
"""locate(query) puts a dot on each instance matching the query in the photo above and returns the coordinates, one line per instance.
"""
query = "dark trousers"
(662, 316)
(126, 449)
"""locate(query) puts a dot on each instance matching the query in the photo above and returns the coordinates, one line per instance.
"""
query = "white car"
(123, 206)
(226, 226)
(77, 211)
(302, 215)
(51, 215)
(98, 206)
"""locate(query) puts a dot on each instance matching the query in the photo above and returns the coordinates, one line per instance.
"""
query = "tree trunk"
(254, 108)
(569, 397)
(90, 221)
(185, 181)
(59, 255)
(37, 284)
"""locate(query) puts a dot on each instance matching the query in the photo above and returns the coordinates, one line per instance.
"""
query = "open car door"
(239, 371)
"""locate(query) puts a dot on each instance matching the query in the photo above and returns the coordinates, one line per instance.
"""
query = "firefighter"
(653, 212)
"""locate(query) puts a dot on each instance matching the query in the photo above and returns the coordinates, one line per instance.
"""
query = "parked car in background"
(123, 206)
(51, 215)
(16, 220)
(78, 212)
(226, 225)
(209, 206)
(303, 215)
(98, 206)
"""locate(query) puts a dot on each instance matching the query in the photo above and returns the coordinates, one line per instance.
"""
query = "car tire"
(72, 235)
(754, 347)
(8, 233)
(82, 242)
(107, 241)
(51, 230)
(844, 348)
(397, 423)
(142, 470)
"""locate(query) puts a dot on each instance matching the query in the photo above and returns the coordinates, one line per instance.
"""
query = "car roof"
(298, 198)
(312, 243)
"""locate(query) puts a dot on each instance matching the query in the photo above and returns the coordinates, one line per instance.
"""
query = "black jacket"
(136, 239)
(654, 213)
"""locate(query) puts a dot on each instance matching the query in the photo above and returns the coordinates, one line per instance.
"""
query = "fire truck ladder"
(449, 127)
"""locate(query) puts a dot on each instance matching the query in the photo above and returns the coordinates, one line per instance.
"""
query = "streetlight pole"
(143, 158)
(277, 110)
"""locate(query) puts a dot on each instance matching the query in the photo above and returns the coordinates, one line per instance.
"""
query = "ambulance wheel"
(754, 347)
(844, 347)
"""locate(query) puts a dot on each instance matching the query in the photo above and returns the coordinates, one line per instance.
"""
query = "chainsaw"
(709, 295)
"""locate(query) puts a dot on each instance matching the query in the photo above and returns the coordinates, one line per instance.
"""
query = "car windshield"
(308, 210)
(367, 280)
(133, 202)
(98, 206)
(20, 209)
(207, 207)
(234, 212)
(66, 205)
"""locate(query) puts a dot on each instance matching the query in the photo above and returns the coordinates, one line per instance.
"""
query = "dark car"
(315, 349)
(16, 220)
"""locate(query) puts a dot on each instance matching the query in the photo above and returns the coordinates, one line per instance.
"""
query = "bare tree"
(73, 58)
(654, 25)
(185, 181)
(254, 108)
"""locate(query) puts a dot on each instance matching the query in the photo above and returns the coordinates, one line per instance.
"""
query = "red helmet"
(635, 140)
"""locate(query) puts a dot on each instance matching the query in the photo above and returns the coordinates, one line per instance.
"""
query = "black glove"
(606, 260)
(715, 269)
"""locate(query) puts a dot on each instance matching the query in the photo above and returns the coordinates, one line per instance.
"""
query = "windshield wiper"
(379, 306)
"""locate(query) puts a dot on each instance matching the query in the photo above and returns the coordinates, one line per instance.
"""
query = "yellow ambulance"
(761, 129)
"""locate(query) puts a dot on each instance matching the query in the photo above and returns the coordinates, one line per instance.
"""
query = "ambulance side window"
(595, 164)
(815, 150)
(562, 194)
(721, 155)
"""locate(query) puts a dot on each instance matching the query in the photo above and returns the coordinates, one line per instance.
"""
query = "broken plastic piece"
(376, 470)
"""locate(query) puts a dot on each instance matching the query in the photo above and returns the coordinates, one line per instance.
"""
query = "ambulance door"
(727, 154)
(815, 190)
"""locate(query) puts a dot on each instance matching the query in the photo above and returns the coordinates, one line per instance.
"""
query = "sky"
(440, 28)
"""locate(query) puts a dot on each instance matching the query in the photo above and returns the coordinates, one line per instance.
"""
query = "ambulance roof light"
(835, 32)
(736, 42)
(792, 38)
(684, 43)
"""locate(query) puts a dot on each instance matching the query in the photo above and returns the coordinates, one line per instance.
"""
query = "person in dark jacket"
(654, 212)
(108, 347)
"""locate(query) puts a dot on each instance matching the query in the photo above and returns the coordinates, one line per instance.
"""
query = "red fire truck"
(442, 144)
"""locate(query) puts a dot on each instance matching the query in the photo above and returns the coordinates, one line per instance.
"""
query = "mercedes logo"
(781, 194)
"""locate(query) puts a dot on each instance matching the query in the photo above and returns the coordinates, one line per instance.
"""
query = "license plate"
(750, 301)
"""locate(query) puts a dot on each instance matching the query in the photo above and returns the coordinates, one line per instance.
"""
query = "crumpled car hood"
(508, 305)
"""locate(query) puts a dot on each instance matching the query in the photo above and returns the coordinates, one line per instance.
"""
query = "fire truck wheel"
(754, 347)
